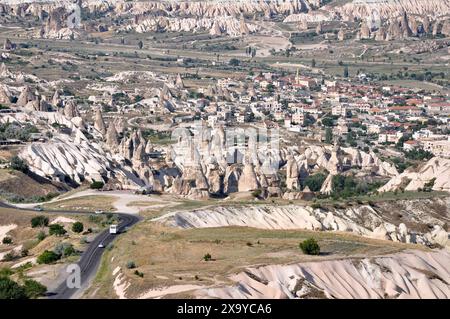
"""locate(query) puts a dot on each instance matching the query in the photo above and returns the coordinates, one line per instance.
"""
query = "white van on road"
(113, 229)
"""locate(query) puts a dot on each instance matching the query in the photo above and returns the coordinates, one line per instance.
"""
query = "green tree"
(234, 62)
(351, 139)
(56, 229)
(97, 185)
(315, 181)
(77, 227)
(48, 257)
(140, 45)
(7, 240)
(34, 289)
(39, 221)
(313, 63)
(328, 136)
(19, 164)
(64, 250)
(327, 121)
(9, 289)
(310, 247)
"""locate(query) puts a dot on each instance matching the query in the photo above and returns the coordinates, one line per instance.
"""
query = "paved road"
(90, 259)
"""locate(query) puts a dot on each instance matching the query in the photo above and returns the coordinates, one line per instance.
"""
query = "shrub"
(9, 289)
(138, 273)
(6, 272)
(234, 62)
(310, 247)
(34, 289)
(24, 253)
(10, 257)
(64, 250)
(56, 229)
(39, 221)
(207, 257)
(95, 219)
(19, 164)
(96, 185)
(257, 193)
(7, 240)
(131, 265)
(41, 236)
(77, 227)
(48, 257)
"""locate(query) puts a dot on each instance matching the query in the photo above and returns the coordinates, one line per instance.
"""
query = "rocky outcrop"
(5, 72)
(364, 32)
(215, 29)
(380, 34)
(412, 274)
(56, 100)
(341, 34)
(8, 45)
(436, 172)
(363, 220)
(179, 82)
(71, 109)
(99, 123)
(248, 180)
(319, 28)
(26, 96)
(5, 94)
(292, 173)
(224, 25)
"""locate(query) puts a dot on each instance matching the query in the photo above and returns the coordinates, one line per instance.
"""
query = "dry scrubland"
(168, 256)
(26, 238)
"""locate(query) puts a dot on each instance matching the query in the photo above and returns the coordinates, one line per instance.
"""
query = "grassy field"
(168, 256)
(84, 203)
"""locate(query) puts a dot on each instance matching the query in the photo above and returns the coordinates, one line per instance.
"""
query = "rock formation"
(292, 173)
(341, 34)
(248, 180)
(112, 138)
(71, 109)
(5, 95)
(99, 123)
(26, 96)
(319, 28)
(393, 276)
(380, 34)
(179, 82)
(364, 31)
(436, 170)
(8, 45)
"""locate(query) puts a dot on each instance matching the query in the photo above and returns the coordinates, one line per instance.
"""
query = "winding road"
(91, 257)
